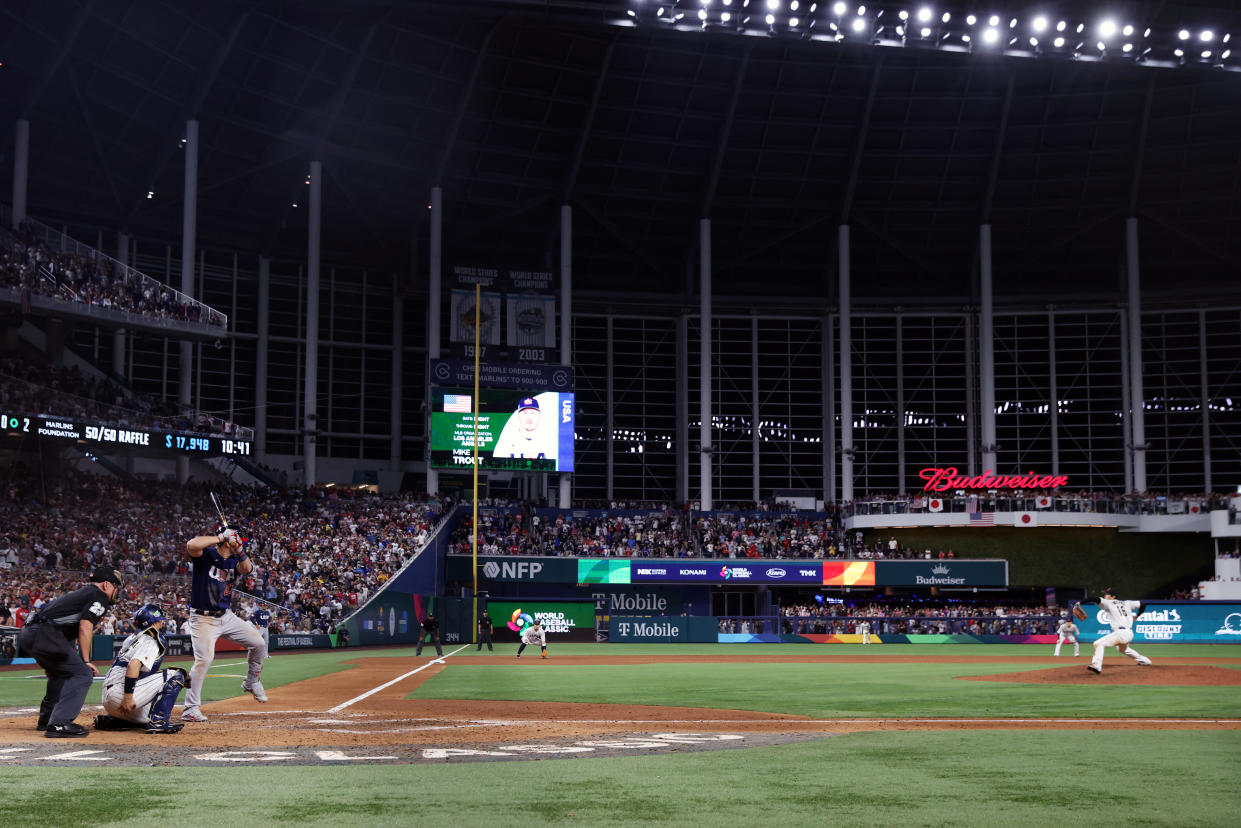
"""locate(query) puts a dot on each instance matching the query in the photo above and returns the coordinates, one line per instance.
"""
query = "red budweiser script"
(944, 480)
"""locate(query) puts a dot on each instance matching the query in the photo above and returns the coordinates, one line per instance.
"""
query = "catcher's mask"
(147, 616)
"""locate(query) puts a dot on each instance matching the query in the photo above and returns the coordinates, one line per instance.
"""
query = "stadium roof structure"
(515, 107)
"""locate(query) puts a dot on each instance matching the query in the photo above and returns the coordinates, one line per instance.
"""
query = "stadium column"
(1136, 395)
(1205, 405)
(310, 388)
(682, 440)
(21, 170)
(118, 336)
(260, 358)
(754, 412)
(704, 369)
(566, 325)
(900, 403)
(846, 365)
(398, 371)
(433, 319)
(829, 412)
(609, 439)
(1053, 397)
(986, 351)
(189, 242)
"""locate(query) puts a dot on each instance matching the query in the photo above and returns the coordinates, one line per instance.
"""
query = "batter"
(217, 560)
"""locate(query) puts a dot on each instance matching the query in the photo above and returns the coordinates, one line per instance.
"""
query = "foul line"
(386, 685)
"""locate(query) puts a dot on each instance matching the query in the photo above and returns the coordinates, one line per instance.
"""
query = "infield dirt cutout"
(296, 725)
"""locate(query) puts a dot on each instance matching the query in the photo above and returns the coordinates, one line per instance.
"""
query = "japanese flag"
(935, 505)
(1025, 519)
(1043, 502)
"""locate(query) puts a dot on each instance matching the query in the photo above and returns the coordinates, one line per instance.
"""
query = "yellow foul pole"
(478, 295)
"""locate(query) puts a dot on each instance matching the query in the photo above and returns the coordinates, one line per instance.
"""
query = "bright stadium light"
(1039, 24)
(771, 20)
(1060, 25)
(1183, 34)
(1127, 48)
(994, 21)
(1127, 31)
(990, 35)
(926, 32)
(1107, 28)
(839, 9)
(1207, 36)
(793, 21)
(946, 17)
(903, 15)
(924, 15)
(702, 14)
(859, 24)
(971, 19)
(725, 17)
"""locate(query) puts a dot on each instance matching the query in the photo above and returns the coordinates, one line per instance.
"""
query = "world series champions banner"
(516, 315)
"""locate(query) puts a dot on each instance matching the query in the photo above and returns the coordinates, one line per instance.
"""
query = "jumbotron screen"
(517, 430)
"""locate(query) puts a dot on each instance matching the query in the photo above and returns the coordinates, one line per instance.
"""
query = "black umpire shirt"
(431, 625)
(484, 624)
(65, 612)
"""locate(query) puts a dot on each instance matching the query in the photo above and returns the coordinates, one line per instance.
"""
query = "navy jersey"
(260, 617)
(211, 589)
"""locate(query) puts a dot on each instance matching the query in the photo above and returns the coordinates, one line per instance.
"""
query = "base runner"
(216, 560)
(136, 692)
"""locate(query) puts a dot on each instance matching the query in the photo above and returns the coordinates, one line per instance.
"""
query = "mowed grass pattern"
(1014, 778)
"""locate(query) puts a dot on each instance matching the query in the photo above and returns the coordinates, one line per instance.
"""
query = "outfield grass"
(1026, 778)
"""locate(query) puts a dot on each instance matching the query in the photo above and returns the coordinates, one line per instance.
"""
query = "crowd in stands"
(660, 534)
(30, 389)
(31, 267)
(946, 617)
(314, 557)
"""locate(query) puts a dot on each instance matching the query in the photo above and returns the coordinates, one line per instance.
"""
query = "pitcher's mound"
(1180, 675)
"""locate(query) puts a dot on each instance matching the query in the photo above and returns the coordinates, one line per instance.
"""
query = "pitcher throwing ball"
(217, 560)
(1120, 616)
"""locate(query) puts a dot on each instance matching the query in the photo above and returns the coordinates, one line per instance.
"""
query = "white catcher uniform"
(147, 650)
(1067, 631)
(1120, 615)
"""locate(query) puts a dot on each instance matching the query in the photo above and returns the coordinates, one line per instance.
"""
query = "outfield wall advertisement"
(560, 620)
(1167, 623)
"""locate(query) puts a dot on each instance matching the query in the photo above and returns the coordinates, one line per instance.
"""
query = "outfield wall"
(1206, 622)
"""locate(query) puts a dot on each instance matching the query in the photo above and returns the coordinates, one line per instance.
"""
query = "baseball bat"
(216, 501)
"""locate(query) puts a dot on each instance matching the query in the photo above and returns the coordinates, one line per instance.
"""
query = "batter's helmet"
(147, 616)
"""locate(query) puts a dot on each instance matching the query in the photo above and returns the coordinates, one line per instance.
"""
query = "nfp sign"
(656, 629)
(514, 570)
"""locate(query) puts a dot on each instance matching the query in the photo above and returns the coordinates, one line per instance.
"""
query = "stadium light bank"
(1102, 37)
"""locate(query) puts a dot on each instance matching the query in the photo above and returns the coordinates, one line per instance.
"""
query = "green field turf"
(1016, 778)
(1010, 778)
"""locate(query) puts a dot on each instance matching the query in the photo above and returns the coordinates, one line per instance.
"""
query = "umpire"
(484, 631)
(430, 628)
(47, 639)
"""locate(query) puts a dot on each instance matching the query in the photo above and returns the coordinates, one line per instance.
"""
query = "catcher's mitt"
(1078, 612)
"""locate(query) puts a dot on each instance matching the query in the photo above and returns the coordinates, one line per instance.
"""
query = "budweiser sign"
(949, 479)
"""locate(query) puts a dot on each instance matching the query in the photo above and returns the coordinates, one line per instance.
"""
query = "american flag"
(982, 518)
(457, 404)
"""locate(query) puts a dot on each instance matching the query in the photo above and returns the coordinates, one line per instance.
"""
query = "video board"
(518, 430)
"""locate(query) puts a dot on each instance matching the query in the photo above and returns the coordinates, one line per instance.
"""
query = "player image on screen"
(528, 433)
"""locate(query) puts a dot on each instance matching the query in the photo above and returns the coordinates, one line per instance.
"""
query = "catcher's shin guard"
(161, 708)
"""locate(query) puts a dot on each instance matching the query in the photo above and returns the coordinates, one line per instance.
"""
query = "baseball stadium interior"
(761, 322)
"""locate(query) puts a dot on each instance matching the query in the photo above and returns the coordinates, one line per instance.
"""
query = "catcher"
(136, 692)
(1120, 616)
(534, 634)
